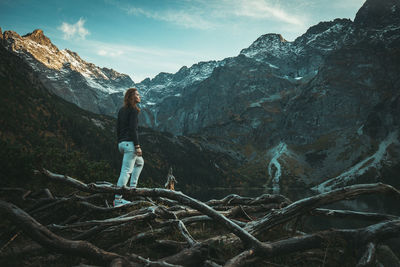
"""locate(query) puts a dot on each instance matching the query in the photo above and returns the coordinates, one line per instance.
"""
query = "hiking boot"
(118, 202)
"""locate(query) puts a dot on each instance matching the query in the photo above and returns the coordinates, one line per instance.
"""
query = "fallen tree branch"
(366, 216)
(185, 233)
(106, 222)
(368, 258)
(176, 245)
(142, 236)
(246, 238)
(150, 263)
(359, 237)
(305, 205)
(110, 209)
(136, 215)
(9, 241)
(240, 259)
(47, 239)
(193, 256)
(71, 181)
(90, 233)
(234, 199)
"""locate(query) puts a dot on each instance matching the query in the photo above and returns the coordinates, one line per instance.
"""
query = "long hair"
(129, 99)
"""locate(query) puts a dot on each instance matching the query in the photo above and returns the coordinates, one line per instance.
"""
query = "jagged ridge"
(68, 75)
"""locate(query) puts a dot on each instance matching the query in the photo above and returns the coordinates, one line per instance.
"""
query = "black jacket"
(127, 125)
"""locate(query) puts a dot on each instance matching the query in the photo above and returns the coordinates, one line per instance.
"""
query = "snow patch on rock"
(277, 152)
(374, 161)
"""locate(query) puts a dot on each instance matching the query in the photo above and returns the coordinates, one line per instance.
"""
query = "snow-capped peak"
(271, 43)
(38, 50)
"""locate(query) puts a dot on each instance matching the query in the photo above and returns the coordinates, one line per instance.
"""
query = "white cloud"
(261, 9)
(107, 52)
(183, 18)
(104, 48)
(102, 52)
(201, 14)
(74, 30)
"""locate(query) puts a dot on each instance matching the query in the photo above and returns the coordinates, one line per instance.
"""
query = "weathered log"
(150, 263)
(365, 216)
(240, 259)
(303, 206)
(51, 241)
(204, 218)
(209, 263)
(141, 236)
(111, 209)
(182, 212)
(142, 216)
(9, 241)
(172, 244)
(106, 222)
(238, 211)
(234, 199)
(166, 201)
(185, 233)
(359, 237)
(90, 233)
(40, 203)
(193, 256)
(49, 205)
(71, 181)
(48, 193)
(368, 258)
(252, 209)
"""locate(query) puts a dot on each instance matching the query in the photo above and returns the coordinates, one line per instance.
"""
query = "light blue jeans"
(132, 165)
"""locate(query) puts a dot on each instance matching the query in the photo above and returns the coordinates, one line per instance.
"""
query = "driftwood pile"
(163, 227)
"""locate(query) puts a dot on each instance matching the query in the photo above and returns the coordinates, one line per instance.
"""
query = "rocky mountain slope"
(305, 111)
(271, 66)
(64, 73)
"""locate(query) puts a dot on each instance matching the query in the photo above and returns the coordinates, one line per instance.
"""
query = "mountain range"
(40, 129)
(319, 112)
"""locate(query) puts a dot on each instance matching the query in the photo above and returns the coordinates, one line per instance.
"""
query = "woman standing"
(128, 143)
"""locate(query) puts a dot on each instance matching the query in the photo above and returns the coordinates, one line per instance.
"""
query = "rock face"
(303, 111)
(378, 14)
(211, 93)
(64, 73)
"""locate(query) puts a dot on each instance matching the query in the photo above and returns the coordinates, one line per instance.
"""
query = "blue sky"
(144, 37)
